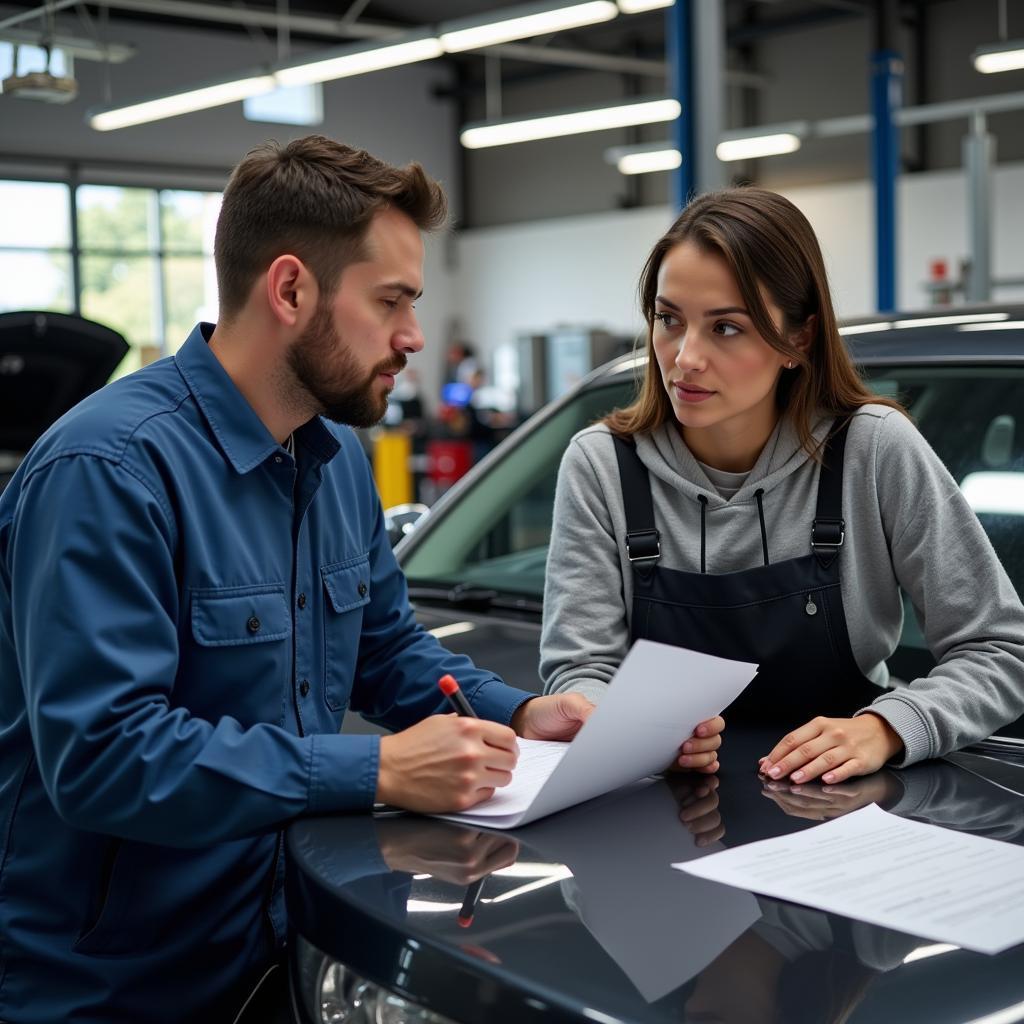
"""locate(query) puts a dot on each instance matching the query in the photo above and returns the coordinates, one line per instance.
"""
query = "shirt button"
(362, 589)
(301, 602)
(304, 687)
(253, 625)
(278, 459)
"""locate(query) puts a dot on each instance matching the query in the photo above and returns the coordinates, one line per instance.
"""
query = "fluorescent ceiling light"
(654, 160)
(359, 60)
(639, 6)
(1005, 56)
(865, 328)
(957, 318)
(1006, 325)
(570, 122)
(752, 147)
(522, 23)
(181, 103)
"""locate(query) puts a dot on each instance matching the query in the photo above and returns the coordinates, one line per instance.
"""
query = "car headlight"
(347, 998)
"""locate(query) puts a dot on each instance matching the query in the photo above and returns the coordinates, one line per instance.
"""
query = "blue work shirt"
(186, 613)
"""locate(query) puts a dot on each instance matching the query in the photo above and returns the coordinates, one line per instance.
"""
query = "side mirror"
(400, 520)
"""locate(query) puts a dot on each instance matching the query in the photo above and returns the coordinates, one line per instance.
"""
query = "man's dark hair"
(313, 198)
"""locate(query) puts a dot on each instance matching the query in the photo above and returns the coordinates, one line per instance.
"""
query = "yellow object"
(391, 451)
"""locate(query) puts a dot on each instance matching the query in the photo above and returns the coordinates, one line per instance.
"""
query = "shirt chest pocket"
(347, 589)
(238, 616)
(241, 637)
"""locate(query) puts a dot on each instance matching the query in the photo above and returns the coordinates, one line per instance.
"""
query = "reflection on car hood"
(504, 645)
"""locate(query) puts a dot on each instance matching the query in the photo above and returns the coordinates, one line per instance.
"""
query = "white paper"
(876, 867)
(655, 700)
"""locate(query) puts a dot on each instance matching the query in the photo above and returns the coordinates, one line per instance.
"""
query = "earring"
(789, 365)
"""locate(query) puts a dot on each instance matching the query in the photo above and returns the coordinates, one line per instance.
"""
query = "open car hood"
(48, 363)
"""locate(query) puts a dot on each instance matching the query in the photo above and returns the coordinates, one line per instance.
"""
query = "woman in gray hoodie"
(757, 502)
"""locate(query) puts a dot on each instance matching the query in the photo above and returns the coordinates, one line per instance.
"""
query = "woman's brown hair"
(770, 247)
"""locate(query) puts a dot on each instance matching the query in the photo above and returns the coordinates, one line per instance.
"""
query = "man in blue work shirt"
(195, 584)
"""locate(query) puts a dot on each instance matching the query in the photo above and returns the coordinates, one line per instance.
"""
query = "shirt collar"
(241, 434)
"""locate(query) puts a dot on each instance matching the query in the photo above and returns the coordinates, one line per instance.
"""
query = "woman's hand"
(834, 748)
(700, 752)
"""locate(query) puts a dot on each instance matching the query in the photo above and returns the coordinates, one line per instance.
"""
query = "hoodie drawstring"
(702, 498)
(760, 515)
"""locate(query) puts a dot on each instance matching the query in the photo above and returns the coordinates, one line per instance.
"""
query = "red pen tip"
(448, 685)
(465, 922)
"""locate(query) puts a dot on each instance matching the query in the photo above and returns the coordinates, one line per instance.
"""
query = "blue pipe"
(677, 46)
(886, 97)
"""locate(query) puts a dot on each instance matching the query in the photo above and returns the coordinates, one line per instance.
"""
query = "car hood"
(504, 645)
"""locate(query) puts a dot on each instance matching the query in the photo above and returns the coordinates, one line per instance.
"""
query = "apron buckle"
(643, 546)
(828, 533)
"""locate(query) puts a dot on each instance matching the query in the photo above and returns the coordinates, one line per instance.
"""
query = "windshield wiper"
(474, 598)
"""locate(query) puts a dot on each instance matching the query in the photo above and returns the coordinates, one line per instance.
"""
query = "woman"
(757, 502)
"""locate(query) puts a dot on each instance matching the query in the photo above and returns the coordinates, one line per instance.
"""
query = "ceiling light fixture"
(214, 95)
(639, 6)
(522, 22)
(1005, 56)
(766, 140)
(361, 59)
(644, 158)
(569, 122)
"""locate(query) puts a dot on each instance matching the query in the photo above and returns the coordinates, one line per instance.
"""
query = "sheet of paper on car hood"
(873, 866)
(655, 700)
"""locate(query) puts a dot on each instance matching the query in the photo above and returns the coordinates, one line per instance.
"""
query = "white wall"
(584, 270)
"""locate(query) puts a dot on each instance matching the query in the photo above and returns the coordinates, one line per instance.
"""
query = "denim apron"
(786, 616)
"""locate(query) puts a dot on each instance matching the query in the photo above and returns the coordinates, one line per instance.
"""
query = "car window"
(974, 419)
(496, 535)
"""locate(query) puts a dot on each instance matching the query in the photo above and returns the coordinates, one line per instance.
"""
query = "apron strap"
(829, 528)
(643, 542)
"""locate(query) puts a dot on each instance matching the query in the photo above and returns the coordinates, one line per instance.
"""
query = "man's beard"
(330, 374)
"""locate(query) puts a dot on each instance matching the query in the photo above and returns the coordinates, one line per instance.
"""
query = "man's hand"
(699, 753)
(445, 763)
(555, 717)
(834, 748)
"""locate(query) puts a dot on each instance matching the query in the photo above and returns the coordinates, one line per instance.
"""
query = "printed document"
(876, 867)
(655, 700)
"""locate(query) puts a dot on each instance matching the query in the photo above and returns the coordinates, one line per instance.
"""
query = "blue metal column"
(886, 98)
(677, 45)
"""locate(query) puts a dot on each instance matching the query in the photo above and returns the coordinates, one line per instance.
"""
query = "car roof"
(964, 334)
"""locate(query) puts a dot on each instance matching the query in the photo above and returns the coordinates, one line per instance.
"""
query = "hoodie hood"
(666, 456)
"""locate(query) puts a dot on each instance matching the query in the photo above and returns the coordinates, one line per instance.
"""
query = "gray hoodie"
(907, 524)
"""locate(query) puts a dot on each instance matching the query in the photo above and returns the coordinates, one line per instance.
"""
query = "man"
(195, 583)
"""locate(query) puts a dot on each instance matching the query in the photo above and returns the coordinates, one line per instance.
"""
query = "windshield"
(496, 534)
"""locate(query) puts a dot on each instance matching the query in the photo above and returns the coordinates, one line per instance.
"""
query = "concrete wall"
(583, 270)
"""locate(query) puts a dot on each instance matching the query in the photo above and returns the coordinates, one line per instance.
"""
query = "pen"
(456, 697)
(469, 903)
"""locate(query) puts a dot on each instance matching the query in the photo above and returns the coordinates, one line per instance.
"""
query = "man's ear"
(291, 290)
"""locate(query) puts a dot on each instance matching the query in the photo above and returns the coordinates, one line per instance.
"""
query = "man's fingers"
(710, 727)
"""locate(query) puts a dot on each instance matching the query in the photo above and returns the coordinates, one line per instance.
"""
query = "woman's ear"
(802, 337)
